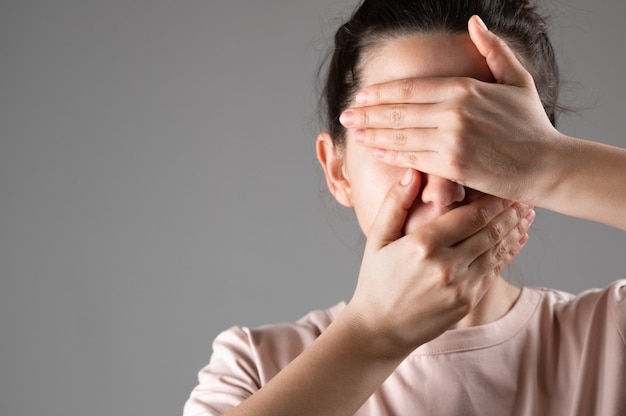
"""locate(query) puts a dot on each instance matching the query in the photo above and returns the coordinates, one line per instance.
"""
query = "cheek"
(370, 180)
(369, 189)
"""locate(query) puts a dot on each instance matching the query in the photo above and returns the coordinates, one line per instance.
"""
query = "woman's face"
(365, 179)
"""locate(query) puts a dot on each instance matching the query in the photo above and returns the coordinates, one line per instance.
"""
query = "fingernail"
(380, 153)
(346, 118)
(361, 98)
(530, 217)
(481, 23)
(407, 178)
(523, 240)
(359, 136)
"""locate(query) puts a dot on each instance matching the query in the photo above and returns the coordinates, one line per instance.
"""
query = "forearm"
(411, 289)
(333, 376)
(588, 180)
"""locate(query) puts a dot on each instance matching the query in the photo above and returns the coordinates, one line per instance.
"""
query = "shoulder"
(587, 313)
(612, 296)
(244, 359)
(276, 343)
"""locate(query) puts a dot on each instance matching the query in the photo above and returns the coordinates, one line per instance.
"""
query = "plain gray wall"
(158, 184)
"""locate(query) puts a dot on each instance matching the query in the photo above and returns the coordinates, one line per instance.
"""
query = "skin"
(368, 178)
(492, 137)
(433, 256)
(361, 181)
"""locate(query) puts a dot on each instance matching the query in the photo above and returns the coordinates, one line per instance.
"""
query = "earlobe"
(332, 162)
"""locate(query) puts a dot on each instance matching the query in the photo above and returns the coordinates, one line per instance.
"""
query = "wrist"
(375, 340)
(557, 159)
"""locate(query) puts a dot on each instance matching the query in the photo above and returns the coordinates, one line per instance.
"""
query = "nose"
(440, 191)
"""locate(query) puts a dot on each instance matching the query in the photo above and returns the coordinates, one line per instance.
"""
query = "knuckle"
(495, 231)
(466, 116)
(397, 115)
(459, 88)
(515, 215)
(510, 254)
(481, 217)
(446, 275)
(424, 242)
(493, 266)
(377, 94)
(371, 136)
(519, 212)
(405, 89)
(467, 88)
(473, 88)
(501, 252)
(411, 158)
(364, 118)
(400, 137)
(426, 247)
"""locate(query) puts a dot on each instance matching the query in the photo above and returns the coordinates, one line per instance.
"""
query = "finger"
(465, 221)
(512, 223)
(494, 260)
(387, 226)
(504, 65)
(393, 116)
(414, 139)
(427, 160)
(427, 90)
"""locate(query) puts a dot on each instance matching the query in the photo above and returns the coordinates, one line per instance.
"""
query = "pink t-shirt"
(552, 354)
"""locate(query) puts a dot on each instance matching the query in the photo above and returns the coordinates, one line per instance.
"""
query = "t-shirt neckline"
(481, 336)
(487, 335)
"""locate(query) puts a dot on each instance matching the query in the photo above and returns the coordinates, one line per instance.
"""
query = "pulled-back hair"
(517, 22)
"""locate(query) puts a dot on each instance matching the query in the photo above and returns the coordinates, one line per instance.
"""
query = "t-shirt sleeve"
(230, 377)
(617, 302)
(245, 359)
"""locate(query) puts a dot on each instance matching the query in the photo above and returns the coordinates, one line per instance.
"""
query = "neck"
(496, 302)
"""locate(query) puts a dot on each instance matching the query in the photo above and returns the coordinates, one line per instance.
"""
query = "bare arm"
(493, 137)
(439, 274)
(589, 182)
(334, 376)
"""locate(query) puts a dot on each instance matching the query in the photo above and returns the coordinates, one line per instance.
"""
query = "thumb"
(504, 65)
(387, 226)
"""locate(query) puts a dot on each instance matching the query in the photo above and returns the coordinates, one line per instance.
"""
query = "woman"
(434, 131)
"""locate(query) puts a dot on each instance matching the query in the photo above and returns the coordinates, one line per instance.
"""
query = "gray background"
(158, 184)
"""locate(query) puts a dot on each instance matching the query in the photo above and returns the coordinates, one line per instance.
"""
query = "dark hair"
(516, 21)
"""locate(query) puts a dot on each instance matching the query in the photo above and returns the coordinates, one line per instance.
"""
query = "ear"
(332, 162)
